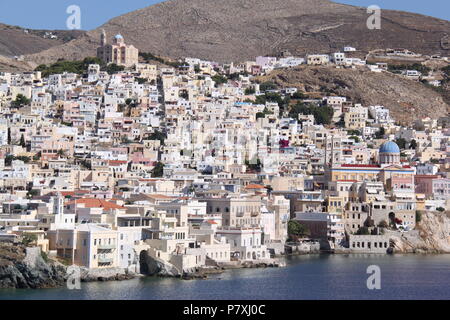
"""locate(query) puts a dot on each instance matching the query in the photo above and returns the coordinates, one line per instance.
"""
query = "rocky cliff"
(22, 267)
(151, 266)
(28, 268)
(432, 235)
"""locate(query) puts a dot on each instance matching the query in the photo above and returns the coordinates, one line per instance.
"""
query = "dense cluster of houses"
(192, 170)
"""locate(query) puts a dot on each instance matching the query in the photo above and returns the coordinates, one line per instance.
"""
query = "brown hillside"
(236, 30)
(407, 100)
(15, 41)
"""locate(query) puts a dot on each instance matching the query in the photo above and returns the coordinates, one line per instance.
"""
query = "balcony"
(105, 260)
(106, 246)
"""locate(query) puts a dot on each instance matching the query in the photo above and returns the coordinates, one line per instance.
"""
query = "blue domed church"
(389, 153)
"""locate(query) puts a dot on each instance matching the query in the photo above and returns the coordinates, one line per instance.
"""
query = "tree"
(369, 223)
(354, 132)
(28, 239)
(263, 114)
(61, 153)
(21, 101)
(158, 170)
(268, 85)
(22, 141)
(37, 156)
(401, 142)
(380, 133)
(298, 95)
(418, 216)
(296, 229)
(364, 231)
(77, 66)
(157, 135)
(141, 80)
(322, 114)
(114, 68)
(219, 79)
(249, 91)
(32, 193)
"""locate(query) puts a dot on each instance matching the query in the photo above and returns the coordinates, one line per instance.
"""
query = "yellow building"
(88, 245)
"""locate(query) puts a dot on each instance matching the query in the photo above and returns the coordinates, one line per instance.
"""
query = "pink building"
(433, 186)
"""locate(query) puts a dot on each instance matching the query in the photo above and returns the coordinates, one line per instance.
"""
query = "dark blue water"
(305, 277)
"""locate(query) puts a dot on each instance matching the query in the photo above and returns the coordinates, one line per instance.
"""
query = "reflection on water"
(305, 277)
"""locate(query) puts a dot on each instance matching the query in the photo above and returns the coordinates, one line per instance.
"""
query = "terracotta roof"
(117, 162)
(72, 193)
(159, 196)
(254, 186)
(97, 203)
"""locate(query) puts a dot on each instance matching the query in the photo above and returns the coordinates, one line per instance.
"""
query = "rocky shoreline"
(28, 268)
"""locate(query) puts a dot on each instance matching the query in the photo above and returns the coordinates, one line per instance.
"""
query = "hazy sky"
(51, 14)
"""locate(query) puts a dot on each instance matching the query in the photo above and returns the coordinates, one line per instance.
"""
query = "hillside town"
(194, 163)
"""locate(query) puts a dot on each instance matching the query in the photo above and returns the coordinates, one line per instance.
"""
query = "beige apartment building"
(87, 245)
(236, 212)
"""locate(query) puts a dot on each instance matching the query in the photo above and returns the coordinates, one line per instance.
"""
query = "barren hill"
(236, 30)
(407, 100)
(16, 41)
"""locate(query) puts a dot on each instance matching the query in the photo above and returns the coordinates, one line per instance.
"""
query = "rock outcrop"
(151, 266)
(432, 235)
(22, 267)
(28, 268)
(110, 274)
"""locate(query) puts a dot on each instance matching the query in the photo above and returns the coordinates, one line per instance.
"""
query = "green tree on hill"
(77, 66)
(380, 133)
(21, 101)
(158, 170)
(322, 114)
(157, 135)
(266, 86)
(219, 79)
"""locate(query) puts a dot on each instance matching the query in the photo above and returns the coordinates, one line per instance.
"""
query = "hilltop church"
(117, 52)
